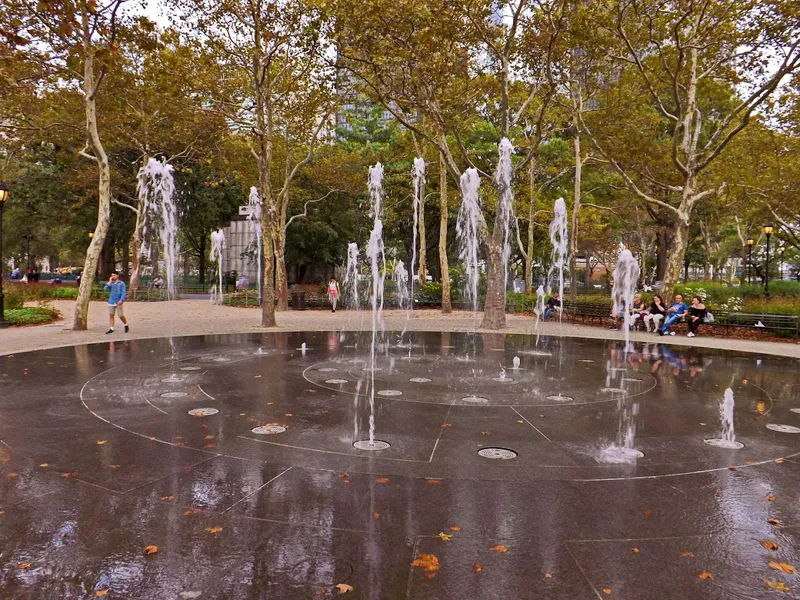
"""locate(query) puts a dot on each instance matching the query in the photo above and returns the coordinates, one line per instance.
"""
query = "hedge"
(32, 315)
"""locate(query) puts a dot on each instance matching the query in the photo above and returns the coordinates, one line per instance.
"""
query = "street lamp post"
(767, 229)
(3, 198)
(749, 243)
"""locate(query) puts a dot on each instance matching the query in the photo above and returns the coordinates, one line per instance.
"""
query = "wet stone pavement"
(232, 459)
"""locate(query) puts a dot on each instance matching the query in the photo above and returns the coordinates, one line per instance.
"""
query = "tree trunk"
(126, 258)
(80, 320)
(281, 279)
(494, 309)
(677, 252)
(423, 246)
(201, 263)
(443, 266)
(268, 249)
(531, 228)
(662, 253)
(576, 207)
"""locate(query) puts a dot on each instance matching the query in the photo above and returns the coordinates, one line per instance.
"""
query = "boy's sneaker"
(127, 329)
(110, 331)
(690, 334)
(672, 333)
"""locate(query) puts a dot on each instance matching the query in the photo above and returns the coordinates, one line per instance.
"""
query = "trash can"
(298, 300)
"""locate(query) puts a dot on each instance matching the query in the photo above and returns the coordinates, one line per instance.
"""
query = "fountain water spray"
(254, 221)
(156, 191)
(418, 179)
(351, 278)
(626, 275)
(727, 438)
(400, 278)
(468, 233)
(558, 237)
(503, 177)
(217, 249)
(375, 253)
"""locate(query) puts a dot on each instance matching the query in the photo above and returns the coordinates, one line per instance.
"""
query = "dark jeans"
(694, 325)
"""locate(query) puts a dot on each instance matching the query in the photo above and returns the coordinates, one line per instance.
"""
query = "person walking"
(333, 293)
(118, 293)
(675, 312)
(697, 314)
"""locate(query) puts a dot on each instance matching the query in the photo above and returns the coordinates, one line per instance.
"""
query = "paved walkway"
(197, 317)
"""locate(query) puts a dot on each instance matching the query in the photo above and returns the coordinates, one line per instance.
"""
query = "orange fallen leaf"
(778, 586)
(148, 550)
(344, 588)
(430, 575)
(731, 468)
(101, 442)
(607, 591)
(445, 537)
(770, 498)
(192, 511)
(257, 377)
(2, 512)
(382, 480)
(320, 592)
(213, 530)
(446, 425)
(24, 565)
(769, 545)
(113, 466)
(429, 562)
(705, 575)
(376, 516)
(636, 551)
(773, 521)
(11, 476)
(101, 593)
(209, 437)
(288, 415)
(685, 554)
(168, 498)
(433, 481)
(744, 381)
(702, 424)
(781, 566)
(484, 433)
(500, 549)
(455, 528)
(43, 465)
(749, 462)
(646, 512)
(179, 444)
(779, 461)
(548, 576)
(210, 446)
(343, 475)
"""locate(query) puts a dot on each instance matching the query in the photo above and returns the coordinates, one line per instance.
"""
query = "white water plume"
(254, 221)
(418, 179)
(558, 238)
(377, 258)
(159, 219)
(400, 279)
(727, 438)
(503, 177)
(468, 233)
(217, 250)
(626, 275)
(352, 300)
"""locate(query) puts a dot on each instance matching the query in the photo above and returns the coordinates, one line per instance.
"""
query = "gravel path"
(197, 317)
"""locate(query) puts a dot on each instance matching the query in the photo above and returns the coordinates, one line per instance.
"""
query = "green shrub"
(31, 315)
(775, 306)
(13, 299)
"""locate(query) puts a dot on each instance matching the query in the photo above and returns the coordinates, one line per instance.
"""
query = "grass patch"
(32, 315)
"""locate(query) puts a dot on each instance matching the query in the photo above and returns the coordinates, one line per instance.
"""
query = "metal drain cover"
(174, 394)
(203, 412)
(727, 444)
(419, 380)
(371, 445)
(497, 453)
(784, 428)
(268, 429)
(560, 398)
(336, 381)
(475, 400)
(390, 393)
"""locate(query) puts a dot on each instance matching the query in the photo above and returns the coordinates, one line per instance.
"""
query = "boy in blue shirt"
(115, 299)
(674, 313)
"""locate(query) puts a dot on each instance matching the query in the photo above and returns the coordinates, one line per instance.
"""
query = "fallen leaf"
(344, 588)
(773, 521)
(548, 576)
(213, 530)
(25, 565)
(500, 549)
(148, 550)
(685, 554)
(636, 551)
(778, 586)
(702, 424)
(209, 437)
(257, 377)
(779, 461)
(646, 512)
(168, 498)
(320, 592)
(343, 475)
(179, 444)
(744, 381)
(731, 468)
(376, 516)
(477, 567)
(484, 433)
(455, 528)
(101, 593)
(429, 562)
(781, 566)
(252, 420)
(607, 591)
(101, 442)
(43, 465)
(705, 575)
(210, 446)
(446, 425)
(382, 480)
(433, 481)
(769, 545)
(11, 476)
(113, 466)
(192, 511)
(430, 575)
(770, 498)
(445, 537)
(2, 512)
(520, 422)
(749, 462)
(178, 438)
(288, 415)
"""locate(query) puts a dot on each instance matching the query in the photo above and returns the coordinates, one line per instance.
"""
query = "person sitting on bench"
(551, 305)
(654, 313)
(697, 314)
(675, 312)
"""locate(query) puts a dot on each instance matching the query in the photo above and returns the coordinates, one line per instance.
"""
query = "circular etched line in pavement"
(784, 428)
(371, 445)
(497, 453)
(174, 394)
(203, 412)
(268, 429)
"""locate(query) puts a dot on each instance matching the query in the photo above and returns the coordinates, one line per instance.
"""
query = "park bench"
(785, 325)
(589, 310)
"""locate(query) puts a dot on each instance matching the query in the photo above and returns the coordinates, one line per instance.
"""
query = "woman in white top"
(333, 293)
